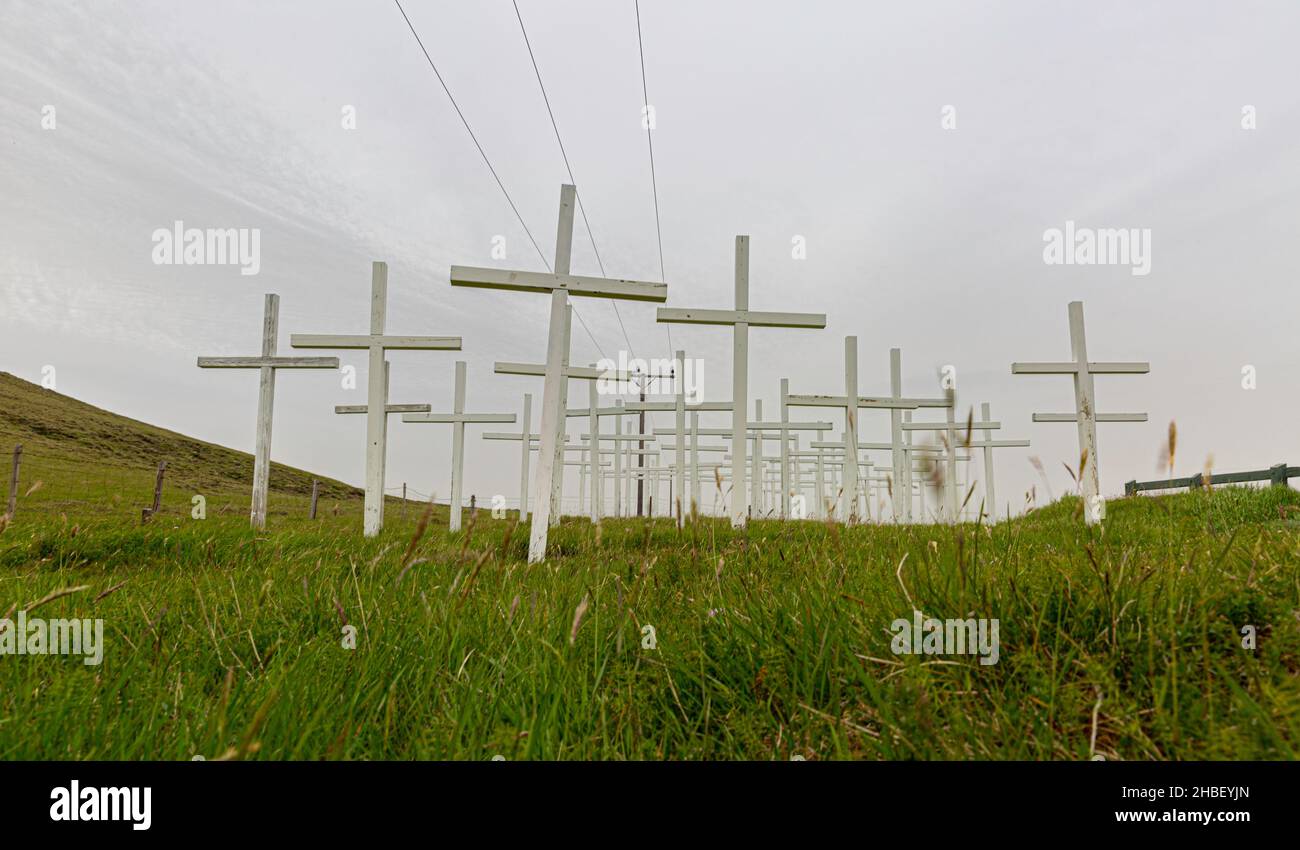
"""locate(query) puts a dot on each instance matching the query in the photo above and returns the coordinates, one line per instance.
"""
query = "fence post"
(315, 492)
(13, 481)
(1196, 482)
(403, 500)
(147, 513)
(1130, 487)
(1277, 474)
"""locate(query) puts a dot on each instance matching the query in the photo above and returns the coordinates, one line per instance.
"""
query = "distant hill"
(57, 429)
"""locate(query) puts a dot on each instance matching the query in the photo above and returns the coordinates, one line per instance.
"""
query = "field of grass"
(770, 643)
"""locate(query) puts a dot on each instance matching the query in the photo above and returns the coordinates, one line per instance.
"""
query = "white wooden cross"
(389, 409)
(680, 407)
(594, 413)
(902, 468)
(560, 284)
(457, 419)
(526, 440)
(529, 445)
(784, 429)
(266, 365)
(741, 319)
(849, 403)
(376, 343)
(1085, 403)
(580, 373)
(988, 445)
(950, 428)
(621, 450)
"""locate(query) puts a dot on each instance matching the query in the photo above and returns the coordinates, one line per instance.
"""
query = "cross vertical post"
(376, 399)
(785, 449)
(850, 498)
(557, 481)
(458, 446)
(594, 426)
(523, 461)
(902, 506)
(265, 405)
(695, 461)
(756, 465)
(739, 386)
(680, 492)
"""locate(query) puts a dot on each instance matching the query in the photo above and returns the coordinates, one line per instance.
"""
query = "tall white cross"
(740, 319)
(560, 284)
(457, 419)
(1085, 405)
(266, 365)
(376, 343)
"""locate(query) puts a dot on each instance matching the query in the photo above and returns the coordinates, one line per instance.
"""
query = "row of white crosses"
(901, 407)
(850, 402)
(377, 409)
(557, 372)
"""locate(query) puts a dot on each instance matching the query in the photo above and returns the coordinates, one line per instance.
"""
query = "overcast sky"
(816, 119)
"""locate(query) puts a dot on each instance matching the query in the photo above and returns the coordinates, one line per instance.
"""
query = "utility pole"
(640, 458)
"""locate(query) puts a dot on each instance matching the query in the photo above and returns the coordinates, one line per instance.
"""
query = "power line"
(645, 95)
(569, 168)
(488, 162)
(654, 185)
(463, 120)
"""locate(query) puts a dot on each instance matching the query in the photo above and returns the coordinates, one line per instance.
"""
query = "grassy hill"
(637, 640)
(80, 453)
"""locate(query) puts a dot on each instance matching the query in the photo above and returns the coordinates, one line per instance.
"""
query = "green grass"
(769, 644)
(1122, 641)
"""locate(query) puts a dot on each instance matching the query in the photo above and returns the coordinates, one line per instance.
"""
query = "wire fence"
(56, 483)
(37, 480)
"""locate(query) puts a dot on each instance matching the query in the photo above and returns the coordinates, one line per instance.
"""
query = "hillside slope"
(58, 432)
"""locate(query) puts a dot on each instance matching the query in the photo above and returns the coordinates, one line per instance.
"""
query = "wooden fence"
(1276, 475)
